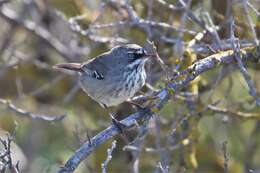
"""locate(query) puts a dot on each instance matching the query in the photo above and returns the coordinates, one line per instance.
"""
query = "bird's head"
(131, 54)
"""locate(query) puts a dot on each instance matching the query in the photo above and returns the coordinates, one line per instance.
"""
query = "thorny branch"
(192, 72)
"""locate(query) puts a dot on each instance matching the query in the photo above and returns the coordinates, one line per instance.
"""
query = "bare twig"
(137, 145)
(163, 164)
(141, 23)
(109, 157)
(71, 92)
(24, 113)
(242, 69)
(236, 114)
(250, 22)
(201, 23)
(158, 59)
(207, 49)
(135, 20)
(170, 6)
(163, 170)
(254, 9)
(14, 18)
(225, 154)
(46, 86)
(6, 162)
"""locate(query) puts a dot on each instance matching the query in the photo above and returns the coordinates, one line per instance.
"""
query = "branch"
(199, 67)
(250, 22)
(133, 20)
(242, 68)
(14, 19)
(227, 57)
(6, 161)
(109, 157)
(225, 154)
(24, 113)
(100, 138)
(237, 114)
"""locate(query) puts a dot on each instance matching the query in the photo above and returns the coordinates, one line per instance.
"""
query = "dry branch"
(14, 19)
(248, 54)
(24, 113)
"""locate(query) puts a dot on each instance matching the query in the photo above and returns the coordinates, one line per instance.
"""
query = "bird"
(114, 76)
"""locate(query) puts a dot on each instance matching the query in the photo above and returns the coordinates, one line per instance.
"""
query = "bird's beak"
(69, 66)
(149, 55)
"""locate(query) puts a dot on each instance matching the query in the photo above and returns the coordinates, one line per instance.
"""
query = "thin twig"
(242, 69)
(225, 154)
(24, 113)
(14, 18)
(236, 114)
(250, 22)
(254, 9)
(109, 157)
(6, 161)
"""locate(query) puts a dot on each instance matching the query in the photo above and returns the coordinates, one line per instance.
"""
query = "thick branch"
(100, 138)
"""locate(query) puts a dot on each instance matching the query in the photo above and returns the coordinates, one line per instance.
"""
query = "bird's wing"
(98, 67)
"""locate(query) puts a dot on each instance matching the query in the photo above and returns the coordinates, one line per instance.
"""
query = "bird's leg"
(120, 127)
(140, 92)
(117, 124)
(139, 106)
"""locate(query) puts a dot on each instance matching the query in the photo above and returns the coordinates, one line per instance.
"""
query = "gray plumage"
(113, 77)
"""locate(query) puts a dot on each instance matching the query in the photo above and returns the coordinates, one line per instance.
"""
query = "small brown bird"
(112, 77)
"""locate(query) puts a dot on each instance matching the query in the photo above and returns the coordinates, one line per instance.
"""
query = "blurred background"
(185, 136)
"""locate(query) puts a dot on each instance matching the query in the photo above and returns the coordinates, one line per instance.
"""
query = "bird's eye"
(140, 52)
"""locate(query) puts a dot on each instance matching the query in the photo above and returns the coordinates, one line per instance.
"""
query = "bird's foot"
(139, 106)
(120, 126)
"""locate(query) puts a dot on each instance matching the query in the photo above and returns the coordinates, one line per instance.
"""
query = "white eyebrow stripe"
(140, 51)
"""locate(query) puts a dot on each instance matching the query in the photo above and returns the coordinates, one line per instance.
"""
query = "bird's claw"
(120, 126)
